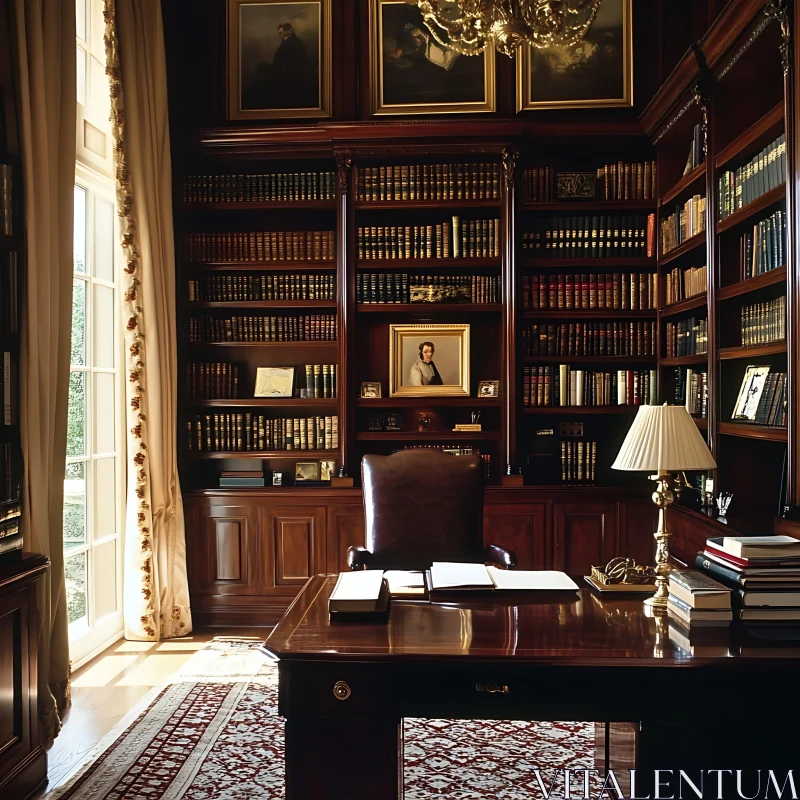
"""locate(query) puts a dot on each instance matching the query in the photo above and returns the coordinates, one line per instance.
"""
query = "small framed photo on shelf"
(306, 471)
(327, 470)
(753, 382)
(488, 388)
(277, 479)
(575, 185)
(274, 382)
(371, 389)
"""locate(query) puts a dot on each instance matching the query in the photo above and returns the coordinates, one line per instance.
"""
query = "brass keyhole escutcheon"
(341, 691)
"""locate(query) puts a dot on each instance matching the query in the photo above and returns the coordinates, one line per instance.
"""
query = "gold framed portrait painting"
(596, 72)
(279, 59)
(429, 360)
(413, 73)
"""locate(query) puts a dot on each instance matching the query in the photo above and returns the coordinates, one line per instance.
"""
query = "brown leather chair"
(423, 506)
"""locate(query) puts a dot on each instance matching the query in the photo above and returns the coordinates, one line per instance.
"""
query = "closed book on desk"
(769, 599)
(714, 548)
(768, 614)
(698, 590)
(697, 616)
(736, 577)
(405, 584)
(356, 591)
(761, 546)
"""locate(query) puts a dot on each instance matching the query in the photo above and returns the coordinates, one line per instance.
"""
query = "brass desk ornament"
(623, 570)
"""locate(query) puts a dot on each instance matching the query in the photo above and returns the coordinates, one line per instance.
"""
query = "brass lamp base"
(662, 497)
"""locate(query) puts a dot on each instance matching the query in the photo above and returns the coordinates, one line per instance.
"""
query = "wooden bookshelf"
(608, 360)
(752, 284)
(424, 205)
(591, 206)
(431, 265)
(261, 266)
(676, 309)
(728, 353)
(299, 404)
(687, 246)
(684, 361)
(742, 430)
(755, 207)
(438, 437)
(592, 264)
(261, 205)
(579, 410)
(691, 181)
(761, 133)
(585, 313)
(432, 402)
(434, 309)
(263, 304)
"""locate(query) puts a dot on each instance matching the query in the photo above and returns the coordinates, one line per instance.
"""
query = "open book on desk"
(447, 577)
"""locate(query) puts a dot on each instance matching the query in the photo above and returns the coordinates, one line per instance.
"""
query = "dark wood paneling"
(346, 527)
(296, 537)
(637, 523)
(585, 535)
(12, 731)
(521, 528)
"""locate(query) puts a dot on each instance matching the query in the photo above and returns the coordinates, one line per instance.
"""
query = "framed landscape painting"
(596, 72)
(279, 59)
(412, 73)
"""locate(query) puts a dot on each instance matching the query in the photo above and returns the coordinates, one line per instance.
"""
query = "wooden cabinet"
(23, 761)
(521, 527)
(584, 534)
(346, 527)
(293, 545)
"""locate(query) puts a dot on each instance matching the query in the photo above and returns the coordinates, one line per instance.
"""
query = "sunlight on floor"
(104, 671)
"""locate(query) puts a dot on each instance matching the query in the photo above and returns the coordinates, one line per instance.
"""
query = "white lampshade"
(663, 439)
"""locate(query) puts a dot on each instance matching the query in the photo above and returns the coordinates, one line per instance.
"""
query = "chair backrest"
(422, 506)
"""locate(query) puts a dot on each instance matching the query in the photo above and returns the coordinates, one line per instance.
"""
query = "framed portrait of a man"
(428, 360)
(413, 73)
(595, 72)
(279, 59)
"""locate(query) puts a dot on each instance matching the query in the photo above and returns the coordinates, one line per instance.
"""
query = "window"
(95, 471)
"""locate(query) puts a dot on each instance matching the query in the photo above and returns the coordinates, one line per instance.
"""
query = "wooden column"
(345, 296)
(509, 387)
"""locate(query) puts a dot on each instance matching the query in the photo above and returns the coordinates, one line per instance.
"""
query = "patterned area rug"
(214, 733)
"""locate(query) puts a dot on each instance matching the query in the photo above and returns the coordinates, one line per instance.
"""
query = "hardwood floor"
(108, 686)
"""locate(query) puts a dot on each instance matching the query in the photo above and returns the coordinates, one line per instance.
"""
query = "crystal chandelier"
(470, 26)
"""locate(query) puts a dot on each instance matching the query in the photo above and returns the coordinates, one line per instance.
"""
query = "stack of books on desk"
(762, 571)
(695, 600)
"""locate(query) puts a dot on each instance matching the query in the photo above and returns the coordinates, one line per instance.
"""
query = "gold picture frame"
(254, 92)
(595, 73)
(409, 370)
(416, 65)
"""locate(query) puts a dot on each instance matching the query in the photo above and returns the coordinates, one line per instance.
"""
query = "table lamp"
(662, 440)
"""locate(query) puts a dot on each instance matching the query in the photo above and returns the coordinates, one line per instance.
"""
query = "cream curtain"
(45, 33)
(156, 594)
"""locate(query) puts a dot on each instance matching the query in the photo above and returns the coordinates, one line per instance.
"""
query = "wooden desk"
(581, 658)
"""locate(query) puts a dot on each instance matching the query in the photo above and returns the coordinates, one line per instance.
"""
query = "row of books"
(259, 188)
(474, 238)
(687, 220)
(389, 287)
(691, 389)
(697, 151)
(763, 248)
(578, 461)
(590, 339)
(681, 284)
(635, 291)
(293, 328)
(6, 200)
(687, 337)
(537, 184)
(9, 389)
(220, 380)
(243, 432)
(764, 323)
(9, 292)
(261, 246)
(597, 236)
(624, 181)
(762, 397)
(429, 182)
(765, 171)
(562, 386)
(292, 286)
(10, 477)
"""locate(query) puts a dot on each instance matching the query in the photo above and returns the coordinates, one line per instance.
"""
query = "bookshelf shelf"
(323, 343)
(674, 309)
(427, 436)
(701, 423)
(771, 198)
(745, 431)
(579, 410)
(428, 308)
(683, 248)
(597, 206)
(433, 205)
(261, 266)
(589, 359)
(729, 353)
(593, 313)
(428, 264)
(9, 242)
(758, 135)
(752, 284)
(266, 402)
(427, 402)
(684, 361)
(294, 455)
(599, 264)
(262, 205)
(264, 304)
(694, 178)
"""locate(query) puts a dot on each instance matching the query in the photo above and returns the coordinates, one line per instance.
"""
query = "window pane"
(81, 76)
(103, 239)
(75, 574)
(105, 580)
(103, 325)
(104, 408)
(99, 108)
(79, 231)
(74, 506)
(76, 415)
(78, 356)
(80, 19)
(105, 497)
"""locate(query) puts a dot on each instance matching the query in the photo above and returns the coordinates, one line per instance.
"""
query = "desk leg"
(328, 758)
